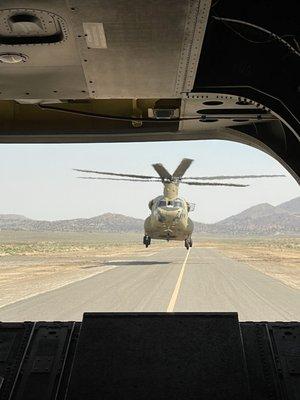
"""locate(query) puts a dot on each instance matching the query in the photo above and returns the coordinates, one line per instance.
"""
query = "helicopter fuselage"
(169, 216)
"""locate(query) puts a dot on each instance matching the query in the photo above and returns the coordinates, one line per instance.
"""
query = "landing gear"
(188, 243)
(147, 240)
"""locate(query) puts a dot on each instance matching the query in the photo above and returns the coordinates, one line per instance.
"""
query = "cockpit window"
(177, 203)
(162, 203)
(170, 203)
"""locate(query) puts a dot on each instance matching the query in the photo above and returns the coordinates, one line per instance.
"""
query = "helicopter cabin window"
(191, 207)
(178, 203)
(162, 203)
(170, 203)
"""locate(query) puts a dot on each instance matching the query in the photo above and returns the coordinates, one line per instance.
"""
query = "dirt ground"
(32, 263)
(276, 257)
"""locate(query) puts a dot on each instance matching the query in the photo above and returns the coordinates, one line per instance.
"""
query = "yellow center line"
(178, 284)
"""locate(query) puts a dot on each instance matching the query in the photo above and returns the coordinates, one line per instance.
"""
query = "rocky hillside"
(263, 219)
(102, 223)
(292, 206)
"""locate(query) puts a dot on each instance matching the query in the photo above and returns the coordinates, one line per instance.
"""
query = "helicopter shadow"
(128, 263)
(137, 262)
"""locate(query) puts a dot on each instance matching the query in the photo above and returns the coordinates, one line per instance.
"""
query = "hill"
(262, 219)
(103, 223)
(292, 206)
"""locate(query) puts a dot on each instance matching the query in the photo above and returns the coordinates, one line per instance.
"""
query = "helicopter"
(169, 218)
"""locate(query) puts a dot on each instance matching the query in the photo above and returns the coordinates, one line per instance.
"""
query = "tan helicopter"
(169, 213)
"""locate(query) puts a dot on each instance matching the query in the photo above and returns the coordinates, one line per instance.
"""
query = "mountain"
(262, 219)
(102, 223)
(12, 217)
(292, 206)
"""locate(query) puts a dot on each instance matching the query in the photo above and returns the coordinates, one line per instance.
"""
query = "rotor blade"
(213, 184)
(182, 167)
(119, 179)
(115, 174)
(162, 172)
(204, 178)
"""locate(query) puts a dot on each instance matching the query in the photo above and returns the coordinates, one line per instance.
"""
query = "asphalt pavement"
(171, 280)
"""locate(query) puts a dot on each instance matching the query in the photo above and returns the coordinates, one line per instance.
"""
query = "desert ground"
(278, 257)
(35, 263)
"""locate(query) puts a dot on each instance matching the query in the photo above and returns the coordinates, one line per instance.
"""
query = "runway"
(172, 280)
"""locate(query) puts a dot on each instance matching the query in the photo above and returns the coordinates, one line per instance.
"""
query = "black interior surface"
(157, 355)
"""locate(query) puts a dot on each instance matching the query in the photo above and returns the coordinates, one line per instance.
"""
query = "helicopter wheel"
(187, 244)
(147, 240)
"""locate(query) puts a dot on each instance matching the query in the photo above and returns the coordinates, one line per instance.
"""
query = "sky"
(37, 180)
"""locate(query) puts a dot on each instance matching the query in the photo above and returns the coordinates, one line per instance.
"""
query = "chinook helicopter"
(169, 213)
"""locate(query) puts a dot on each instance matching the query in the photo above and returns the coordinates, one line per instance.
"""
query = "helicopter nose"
(169, 215)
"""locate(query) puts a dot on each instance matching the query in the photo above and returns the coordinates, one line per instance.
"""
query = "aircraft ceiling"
(137, 70)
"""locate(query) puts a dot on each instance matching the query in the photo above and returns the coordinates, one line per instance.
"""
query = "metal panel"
(272, 360)
(50, 70)
(159, 356)
(127, 48)
(286, 346)
(42, 367)
(149, 46)
(260, 364)
(195, 27)
(94, 35)
(14, 339)
(220, 111)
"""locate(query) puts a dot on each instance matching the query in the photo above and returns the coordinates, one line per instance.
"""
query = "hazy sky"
(37, 180)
